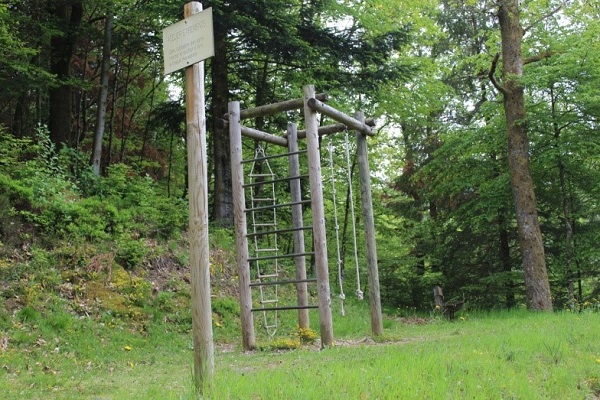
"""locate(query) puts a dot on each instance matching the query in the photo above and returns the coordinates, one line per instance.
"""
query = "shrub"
(130, 252)
(284, 344)
(306, 335)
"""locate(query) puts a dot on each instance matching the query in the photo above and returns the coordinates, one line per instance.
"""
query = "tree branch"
(491, 73)
(539, 57)
(543, 17)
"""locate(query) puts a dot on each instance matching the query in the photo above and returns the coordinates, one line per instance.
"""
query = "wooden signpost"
(186, 44)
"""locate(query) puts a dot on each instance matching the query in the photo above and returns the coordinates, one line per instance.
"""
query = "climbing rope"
(337, 228)
(359, 292)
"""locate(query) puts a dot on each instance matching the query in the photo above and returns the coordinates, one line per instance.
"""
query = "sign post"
(186, 44)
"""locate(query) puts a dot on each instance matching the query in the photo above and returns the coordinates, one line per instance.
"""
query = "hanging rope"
(337, 228)
(359, 292)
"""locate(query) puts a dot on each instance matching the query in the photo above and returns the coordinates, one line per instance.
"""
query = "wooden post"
(318, 218)
(198, 219)
(438, 298)
(367, 211)
(297, 222)
(239, 214)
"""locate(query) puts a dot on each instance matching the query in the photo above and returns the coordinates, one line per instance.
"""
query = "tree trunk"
(222, 211)
(567, 207)
(504, 255)
(530, 237)
(62, 48)
(112, 115)
(103, 96)
(125, 118)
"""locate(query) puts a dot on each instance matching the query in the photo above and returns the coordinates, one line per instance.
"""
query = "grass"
(510, 355)
(499, 355)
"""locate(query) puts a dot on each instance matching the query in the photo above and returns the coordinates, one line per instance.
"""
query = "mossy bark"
(530, 236)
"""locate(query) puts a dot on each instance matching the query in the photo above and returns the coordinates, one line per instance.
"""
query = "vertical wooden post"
(198, 224)
(239, 215)
(318, 218)
(438, 298)
(297, 222)
(367, 211)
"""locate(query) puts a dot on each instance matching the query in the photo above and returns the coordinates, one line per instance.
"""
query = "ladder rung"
(280, 205)
(284, 179)
(265, 224)
(310, 280)
(260, 250)
(273, 156)
(268, 276)
(284, 308)
(260, 175)
(269, 301)
(262, 199)
(291, 255)
(276, 231)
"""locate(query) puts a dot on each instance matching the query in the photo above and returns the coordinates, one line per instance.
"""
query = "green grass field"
(496, 355)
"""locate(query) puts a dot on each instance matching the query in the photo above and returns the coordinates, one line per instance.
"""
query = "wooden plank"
(339, 116)
(198, 219)
(369, 226)
(241, 238)
(318, 218)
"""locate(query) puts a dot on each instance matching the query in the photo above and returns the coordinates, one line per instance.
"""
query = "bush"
(130, 252)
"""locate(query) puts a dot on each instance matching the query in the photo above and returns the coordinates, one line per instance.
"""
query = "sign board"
(188, 41)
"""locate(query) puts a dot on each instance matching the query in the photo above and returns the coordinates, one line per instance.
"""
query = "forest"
(485, 166)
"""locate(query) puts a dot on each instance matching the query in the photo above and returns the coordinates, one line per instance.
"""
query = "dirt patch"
(414, 320)
(163, 270)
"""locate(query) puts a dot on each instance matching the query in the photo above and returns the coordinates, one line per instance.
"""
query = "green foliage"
(130, 252)
(45, 188)
(226, 307)
(139, 203)
(307, 335)
(283, 344)
(28, 315)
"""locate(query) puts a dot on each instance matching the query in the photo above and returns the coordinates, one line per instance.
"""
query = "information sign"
(188, 41)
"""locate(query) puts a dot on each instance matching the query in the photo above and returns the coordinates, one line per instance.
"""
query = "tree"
(23, 75)
(103, 96)
(563, 133)
(530, 237)
(67, 16)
